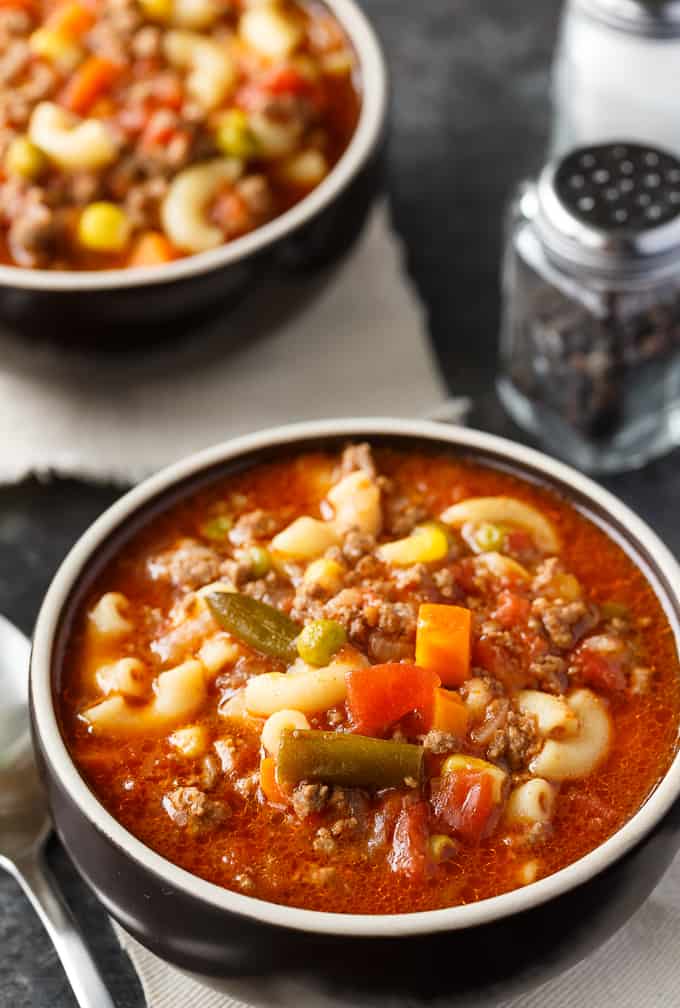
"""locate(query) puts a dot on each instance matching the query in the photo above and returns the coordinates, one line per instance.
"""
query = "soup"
(133, 132)
(371, 682)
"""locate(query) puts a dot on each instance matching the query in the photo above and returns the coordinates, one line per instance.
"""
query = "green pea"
(489, 537)
(234, 136)
(260, 560)
(319, 641)
(217, 528)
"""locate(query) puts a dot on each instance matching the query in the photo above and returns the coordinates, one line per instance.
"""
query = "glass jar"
(590, 341)
(615, 73)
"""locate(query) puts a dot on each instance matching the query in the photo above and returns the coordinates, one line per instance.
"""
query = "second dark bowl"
(130, 308)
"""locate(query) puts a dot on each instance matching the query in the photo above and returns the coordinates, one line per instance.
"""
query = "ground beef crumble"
(191, 807)
(309, 798)
(564, 622)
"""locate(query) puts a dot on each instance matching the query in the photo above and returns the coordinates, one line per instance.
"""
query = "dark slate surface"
(470, 117)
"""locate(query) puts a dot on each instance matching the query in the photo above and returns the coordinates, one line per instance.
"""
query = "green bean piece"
(260, 626)
(217, 528)
(319, 641)
(348, 760)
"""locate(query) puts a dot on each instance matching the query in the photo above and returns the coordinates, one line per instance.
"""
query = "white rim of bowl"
(321, 922)
(373, 74)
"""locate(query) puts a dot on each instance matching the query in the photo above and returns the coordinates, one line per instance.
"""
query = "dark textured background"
(470, 117)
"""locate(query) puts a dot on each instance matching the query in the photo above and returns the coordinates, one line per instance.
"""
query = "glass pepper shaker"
(590, 342)
(615, 73)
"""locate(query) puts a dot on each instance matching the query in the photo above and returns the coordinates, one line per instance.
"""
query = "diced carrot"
(151, 249)
(268, 783)
(71, 18)
(91, 80)
(19, 5)
(450, 713)
(378, 696)
(443, 642)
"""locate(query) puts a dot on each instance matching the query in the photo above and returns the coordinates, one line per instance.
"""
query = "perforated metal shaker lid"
(611, 208)
(654, 18)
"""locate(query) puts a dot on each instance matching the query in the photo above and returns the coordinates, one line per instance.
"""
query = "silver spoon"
(25, 824)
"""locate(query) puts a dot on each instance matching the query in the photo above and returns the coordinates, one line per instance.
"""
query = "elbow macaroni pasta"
(70, 143)
(530, 803)
(180, 692)
(212, 74)
(183, 211)
(270, 31)
(577, 756)
(505, 509)
(554, 716)
(107, 615)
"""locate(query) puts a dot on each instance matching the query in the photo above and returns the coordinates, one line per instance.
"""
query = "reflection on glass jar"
(590, 344)
(615, 73)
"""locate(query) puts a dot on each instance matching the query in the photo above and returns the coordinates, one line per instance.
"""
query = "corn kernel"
(55, 47)
(23, 159)
(233, 135)
(426, 544)
(327, 574)
(103, 227)
(157, 10)
(442, 848)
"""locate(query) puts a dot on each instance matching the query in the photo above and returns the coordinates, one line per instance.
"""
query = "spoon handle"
(79, 966)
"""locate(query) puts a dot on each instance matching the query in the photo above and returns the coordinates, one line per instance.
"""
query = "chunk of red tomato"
(378, 696)
(464, 803)
(499, 661)
(511, 610)
(410, 854)
(601, 663)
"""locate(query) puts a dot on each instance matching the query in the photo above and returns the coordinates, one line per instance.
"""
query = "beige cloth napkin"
(637, 968)
(358, 347)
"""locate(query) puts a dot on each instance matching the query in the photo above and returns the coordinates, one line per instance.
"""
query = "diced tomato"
(518, 541)
(511, 609)
(464, 802)
(410, 843)
(231, 214)
(168, 91)
(496, 659)
(285, 80)
(602, 669)
(378, 696)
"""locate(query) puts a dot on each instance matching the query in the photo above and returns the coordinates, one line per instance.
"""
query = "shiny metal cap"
(612, 209)
(653, 18)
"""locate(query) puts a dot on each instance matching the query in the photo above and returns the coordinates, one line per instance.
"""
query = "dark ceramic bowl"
(130, 308)
(501, 946)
